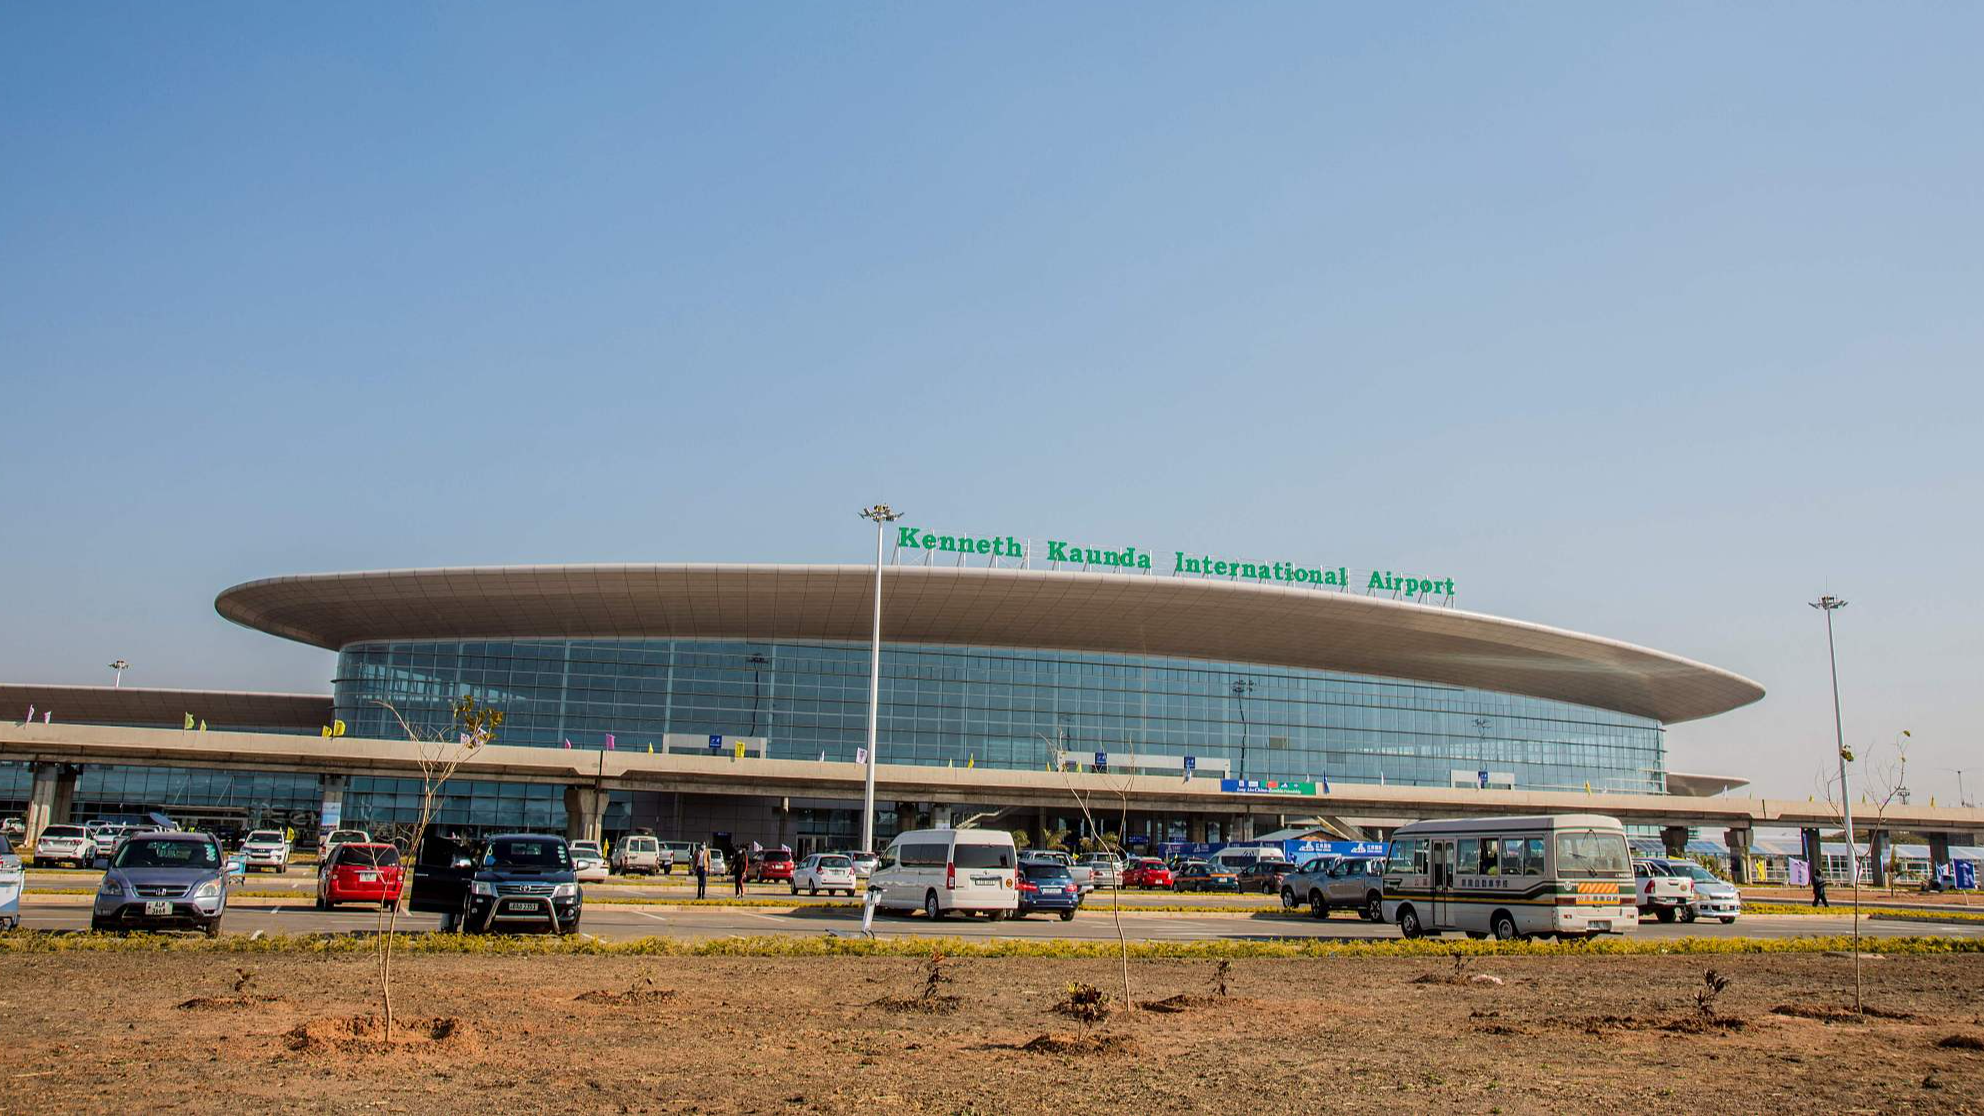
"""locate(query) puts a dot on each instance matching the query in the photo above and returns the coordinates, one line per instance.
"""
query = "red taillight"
(950, 877)
(1027, 886)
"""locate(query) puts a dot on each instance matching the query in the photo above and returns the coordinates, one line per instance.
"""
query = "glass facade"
(1002, 707)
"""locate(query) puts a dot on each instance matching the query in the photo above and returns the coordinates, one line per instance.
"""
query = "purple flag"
(609, 741)
(46, 714)
(568, 742)
(30, 719)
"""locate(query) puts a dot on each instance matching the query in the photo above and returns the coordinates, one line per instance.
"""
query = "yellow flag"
(740, 749)
(337, 728)
(971, 761)
(203, 724)
(189, 720)
(650, 747)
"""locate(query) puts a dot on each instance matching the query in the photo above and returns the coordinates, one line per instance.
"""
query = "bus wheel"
(1504, 925)
(1408, 923)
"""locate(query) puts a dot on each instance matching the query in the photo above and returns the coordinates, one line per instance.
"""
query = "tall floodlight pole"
(1829, 605)
(120, 666)
(883, 515)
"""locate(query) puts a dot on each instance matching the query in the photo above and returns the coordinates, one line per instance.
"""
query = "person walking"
(702, 871)
(1819, 889)
(743, 862)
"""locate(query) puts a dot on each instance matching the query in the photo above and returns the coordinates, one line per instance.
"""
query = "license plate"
(368, 877)
(158, 908)
(1050, 891)
(1598, 924)
(986, 881)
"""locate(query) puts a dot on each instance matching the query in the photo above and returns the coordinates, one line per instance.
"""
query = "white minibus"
(1569, 876)
(939, 871)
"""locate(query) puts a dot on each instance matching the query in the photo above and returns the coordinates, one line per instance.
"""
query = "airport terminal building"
(984, 666)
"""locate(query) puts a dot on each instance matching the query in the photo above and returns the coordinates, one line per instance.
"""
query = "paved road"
(621, 923)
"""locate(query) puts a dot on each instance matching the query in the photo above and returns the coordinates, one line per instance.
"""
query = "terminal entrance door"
(1443, 884)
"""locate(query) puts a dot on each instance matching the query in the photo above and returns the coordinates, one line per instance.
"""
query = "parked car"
(64, 844)
(1332, 883)
(105, 835)
(509, 880)
(1200, 876)
(678, 854)
(1662, 894)
(939, 871)
(1083, 874)
(719, 865)
(1047, 887)
(1104, 870)
(13, 881)
(13, 829)
(769, 866)
(1713, 897)
(163, 881)
(639, 855)
(356, 873)
(1264, 876)
(266, 848)
(864, 863)
(1148, 872)
(588, 863)
(824, 872)
(344, 836)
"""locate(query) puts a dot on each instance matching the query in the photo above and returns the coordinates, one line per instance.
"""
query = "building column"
(1241, 828)
(1738, 842)
(1939, 853)
(50, 798)
(1675, 839)
(1877, 856)
(940, 816)
(330, 808)
(585, 813)
(1808, 839)
(1195, 828)
(787, 829)
(1040, 828)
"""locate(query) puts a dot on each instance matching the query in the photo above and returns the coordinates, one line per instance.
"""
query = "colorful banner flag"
(609, 742)
(568, 743)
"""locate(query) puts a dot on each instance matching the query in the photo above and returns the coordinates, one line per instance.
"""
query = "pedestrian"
(743, 861)
(1819, 890)
(702, 871)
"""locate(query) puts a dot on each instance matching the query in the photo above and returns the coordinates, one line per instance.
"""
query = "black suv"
(509, 881)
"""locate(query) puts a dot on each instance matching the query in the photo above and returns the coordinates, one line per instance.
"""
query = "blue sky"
(1654, 322)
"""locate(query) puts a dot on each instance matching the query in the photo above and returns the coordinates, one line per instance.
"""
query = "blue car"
(163, 881)
(1048, 887)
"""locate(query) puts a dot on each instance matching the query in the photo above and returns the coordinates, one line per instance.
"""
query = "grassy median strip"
(36, 941)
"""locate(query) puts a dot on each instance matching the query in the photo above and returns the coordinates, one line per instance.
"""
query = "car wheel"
(795, 889)
(1664, 914)
(212, 929)
(812, 889)
(932, 908)
(98, 925)
(1408, 923)
(1319, 907)
(320, 902)
(1504, 925)
(1287, 899)
(1688, 915)
(1729, 920)
(1067, 916)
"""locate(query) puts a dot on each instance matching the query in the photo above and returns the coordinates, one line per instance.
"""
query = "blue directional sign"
(1191, 763)
(716, 743)
(1484, 778)
(1102, 761)
(1966, 874)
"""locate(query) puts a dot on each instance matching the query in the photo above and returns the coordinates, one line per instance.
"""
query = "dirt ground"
(197, 1032)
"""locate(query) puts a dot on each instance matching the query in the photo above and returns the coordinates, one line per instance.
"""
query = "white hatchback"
(588, 862)
(824, 872)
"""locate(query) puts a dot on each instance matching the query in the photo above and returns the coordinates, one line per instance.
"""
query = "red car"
(772, 864)
(1147, 873)
(355, 873)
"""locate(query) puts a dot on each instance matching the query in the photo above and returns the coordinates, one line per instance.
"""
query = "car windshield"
(1591, 853)
(640, 844)
(63, 831)
(983, 856)
(140, 853)
(264, 835)
(1047, 872)
(835, 862)
(527, 852)
(1701, 874)
(584, 848)
(368, 856)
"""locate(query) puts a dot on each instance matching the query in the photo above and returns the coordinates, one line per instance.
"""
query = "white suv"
(67, 844)
(266, 848)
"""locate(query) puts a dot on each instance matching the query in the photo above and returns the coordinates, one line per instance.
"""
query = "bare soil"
(108, 1033)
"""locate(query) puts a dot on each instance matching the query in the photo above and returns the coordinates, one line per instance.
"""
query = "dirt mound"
(227, 1003)
(359, 1034)
(1678, 1024)
(1960, 1042)
(1186, 1001)
(1826, 1013)
(1080, 1044)
(920, 1005)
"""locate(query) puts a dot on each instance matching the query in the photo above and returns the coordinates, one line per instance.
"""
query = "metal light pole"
(1241, 689)
(883, 515)
(1829, 605)
(118, 681)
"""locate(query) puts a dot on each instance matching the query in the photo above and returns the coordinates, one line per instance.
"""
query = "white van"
(1232, 858)
(939, 871)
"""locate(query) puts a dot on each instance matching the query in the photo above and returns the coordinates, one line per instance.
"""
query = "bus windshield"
(1588, 852)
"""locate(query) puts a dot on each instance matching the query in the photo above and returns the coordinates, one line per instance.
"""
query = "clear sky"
(1653, 321)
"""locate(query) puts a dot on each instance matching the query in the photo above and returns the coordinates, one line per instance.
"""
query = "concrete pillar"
(1040, 828)
(50, 798)
(1939, 852)
(788, 833)
(940, 816)
(1877, 858)
(1738, 842)
(1195, 828)
(1814, 852)
(330, 807)
(1675, 839)
(585, 813)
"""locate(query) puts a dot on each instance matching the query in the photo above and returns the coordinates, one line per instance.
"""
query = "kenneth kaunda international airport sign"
(1108, 559)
